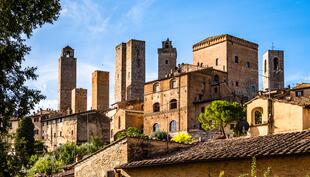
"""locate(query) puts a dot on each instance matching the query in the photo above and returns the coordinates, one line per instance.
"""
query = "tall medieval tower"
(66, 78)
(130, 71)
(273, 69)
(100, 90)
(167, 58)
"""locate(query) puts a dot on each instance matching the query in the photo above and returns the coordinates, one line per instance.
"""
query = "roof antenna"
(272, 46)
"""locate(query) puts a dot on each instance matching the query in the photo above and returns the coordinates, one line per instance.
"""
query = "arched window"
(248, 64)
(173, 104)
(156, 127)
(216, 62)
(67, 54)
(173, 126)
(265, 66)
(156, 87)
(258, 117)
(216, 79)
(173, 83)
(275, 63)
(167, 62)
(156, 107)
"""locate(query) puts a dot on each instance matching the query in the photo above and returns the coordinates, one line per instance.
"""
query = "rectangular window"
(300, 93)
(60, 133)
(203, 109)
(54, 134)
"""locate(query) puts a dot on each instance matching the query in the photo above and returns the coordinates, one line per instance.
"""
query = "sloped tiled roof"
(263, 146)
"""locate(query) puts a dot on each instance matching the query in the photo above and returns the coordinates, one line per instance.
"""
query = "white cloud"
(136, 12)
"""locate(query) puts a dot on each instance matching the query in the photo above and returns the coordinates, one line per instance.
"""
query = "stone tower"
(100, 90)
(167, 58)
(66, 78)
(135, 70)
(79, 100)
(120, 73)
(273, 70)
(130, 71)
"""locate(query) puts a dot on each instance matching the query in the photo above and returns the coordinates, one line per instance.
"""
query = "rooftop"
(295, 143)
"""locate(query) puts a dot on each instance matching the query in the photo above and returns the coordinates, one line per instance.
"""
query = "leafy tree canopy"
(220, 113)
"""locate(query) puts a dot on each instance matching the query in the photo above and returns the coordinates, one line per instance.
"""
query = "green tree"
(182, 138)
(66, 153)
(47, 165)
(24, 140)
(18, 19)
(220, 113)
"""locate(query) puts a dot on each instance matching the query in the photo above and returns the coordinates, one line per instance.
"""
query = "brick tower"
(100, 90)
(130, 71)
(66, 78)
(273, 69)
(79, 100)
(167, 58)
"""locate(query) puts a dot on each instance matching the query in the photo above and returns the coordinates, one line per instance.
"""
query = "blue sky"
(93, 28)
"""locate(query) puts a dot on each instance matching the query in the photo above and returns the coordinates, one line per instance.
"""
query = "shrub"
(47, 164)
(66, 153)
(159, 135)
(86, 148)
(129, 132)
(182, 138)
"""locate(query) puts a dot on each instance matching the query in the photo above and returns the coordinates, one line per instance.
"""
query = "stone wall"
(135, 69)
(293, 166)
(120, 73)
(100, 90)
(167, 59)
(79, 100)
(120, 152)
(66, 78)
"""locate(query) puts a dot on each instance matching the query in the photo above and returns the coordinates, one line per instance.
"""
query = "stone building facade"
(273, 70)
(129, 71)
(100, 90)
(75, 128)
(279, 112)
(173, 104)
(236, 56)
(103, 162)
(66, 78)
(79, 100)
(167, 59)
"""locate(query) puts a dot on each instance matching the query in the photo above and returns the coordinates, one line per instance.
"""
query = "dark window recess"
(236, 59)
(173, 104)
(237, 83)
(215, 90)
(216, 62)
(276, 64)
(299, 93)
(54, 134)
(248, 64)
(166, 62)
(156, 107)
(202, 109)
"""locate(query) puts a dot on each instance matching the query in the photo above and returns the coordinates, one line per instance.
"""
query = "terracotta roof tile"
(270, 145)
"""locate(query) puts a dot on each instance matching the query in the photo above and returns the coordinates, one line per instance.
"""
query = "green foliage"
(39, 147)
(129, 132)
(66, 153)
(24, 140)
(220, 113)
(18, 19)
(159, 135)
(182, 138)
(253, 167)
(85, 149)
(47, 164)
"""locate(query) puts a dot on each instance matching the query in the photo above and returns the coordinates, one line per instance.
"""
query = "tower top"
(167, 44)
(67, 52)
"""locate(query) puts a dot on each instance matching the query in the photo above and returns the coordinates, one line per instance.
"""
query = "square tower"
(66, 78)
(120, 73)
(135, 69)
(237, 57)
(167, 59)
(273, 70)
(100, 90)
(79, 100)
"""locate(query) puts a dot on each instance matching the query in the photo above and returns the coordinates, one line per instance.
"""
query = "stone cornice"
(210, 41)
